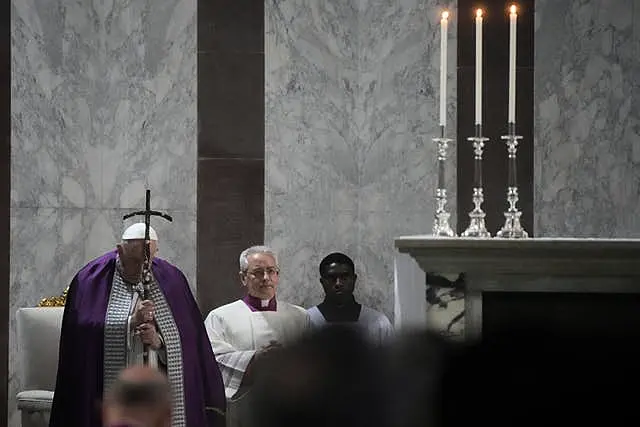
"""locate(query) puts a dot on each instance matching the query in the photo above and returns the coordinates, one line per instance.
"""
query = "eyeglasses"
(259, 272)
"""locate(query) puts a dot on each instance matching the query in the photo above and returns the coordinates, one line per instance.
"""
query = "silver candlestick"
(441, 225)
(477, 226)
(512, 229)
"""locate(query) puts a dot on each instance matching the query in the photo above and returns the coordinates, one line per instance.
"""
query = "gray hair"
(244, 256)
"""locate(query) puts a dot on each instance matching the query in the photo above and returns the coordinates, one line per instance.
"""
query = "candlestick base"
(512, 228)
(477, 227)
(441, 227)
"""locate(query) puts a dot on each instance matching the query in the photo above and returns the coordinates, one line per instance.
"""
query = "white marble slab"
(537, 256)
(548, 265)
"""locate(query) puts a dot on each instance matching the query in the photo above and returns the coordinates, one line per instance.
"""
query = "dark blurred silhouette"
(521, 375)
(524, 375)
(331, 378)
(415, 363)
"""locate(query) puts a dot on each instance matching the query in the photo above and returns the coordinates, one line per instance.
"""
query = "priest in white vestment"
(338, 279)
(246, 331)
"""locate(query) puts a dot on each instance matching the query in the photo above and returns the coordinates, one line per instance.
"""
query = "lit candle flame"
(445, 15)
(513, 9)
(479, 13)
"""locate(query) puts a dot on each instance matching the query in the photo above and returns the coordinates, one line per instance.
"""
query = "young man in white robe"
(338, 279)
(246, 332)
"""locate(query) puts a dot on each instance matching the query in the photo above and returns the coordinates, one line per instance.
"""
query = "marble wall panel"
(587, 109)
(351, 104)
(103, 106)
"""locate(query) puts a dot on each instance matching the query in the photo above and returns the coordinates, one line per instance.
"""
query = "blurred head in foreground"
(140, 397)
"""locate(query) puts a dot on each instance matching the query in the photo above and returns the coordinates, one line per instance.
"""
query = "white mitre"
(136, 231)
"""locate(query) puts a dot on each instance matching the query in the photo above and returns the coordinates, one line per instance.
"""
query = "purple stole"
(255, 304)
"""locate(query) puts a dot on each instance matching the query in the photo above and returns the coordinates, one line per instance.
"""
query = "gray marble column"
(103, 106)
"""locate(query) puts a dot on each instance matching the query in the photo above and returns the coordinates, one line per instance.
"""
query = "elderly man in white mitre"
(245, 332)
(108, 320)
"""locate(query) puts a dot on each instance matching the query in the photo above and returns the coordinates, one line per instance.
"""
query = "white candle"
(444, 23)
(479, 66)
(513, 17)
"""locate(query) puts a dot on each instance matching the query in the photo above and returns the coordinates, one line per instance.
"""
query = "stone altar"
(555, 267)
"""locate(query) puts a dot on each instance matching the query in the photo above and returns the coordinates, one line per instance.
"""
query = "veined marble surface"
(587, 109)
(103, 105)
(351, 106)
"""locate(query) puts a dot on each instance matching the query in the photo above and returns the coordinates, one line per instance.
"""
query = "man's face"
(338, 282)
(132, 251)
(262, 276)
